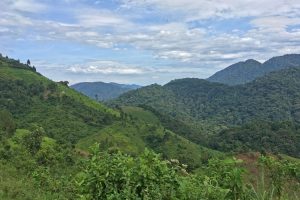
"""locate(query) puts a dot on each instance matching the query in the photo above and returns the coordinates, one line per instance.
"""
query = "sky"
(145, 41)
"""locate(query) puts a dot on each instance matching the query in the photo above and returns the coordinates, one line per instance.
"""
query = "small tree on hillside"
(7, 124)
(33, 141)
(28, 62)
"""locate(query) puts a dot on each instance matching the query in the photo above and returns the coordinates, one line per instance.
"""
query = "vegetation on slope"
(276, 137)
(74, 119)
(33, 99)
(141, 129)
(37, 161)
(207, 108)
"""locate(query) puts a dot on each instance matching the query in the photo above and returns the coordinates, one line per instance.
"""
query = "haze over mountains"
(235, 74)
(103, 91)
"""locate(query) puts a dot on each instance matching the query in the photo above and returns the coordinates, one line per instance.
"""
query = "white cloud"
(31, 6)
(93, 18)
(275, 22)
(206, 9)
(268, 31)
(106, 67)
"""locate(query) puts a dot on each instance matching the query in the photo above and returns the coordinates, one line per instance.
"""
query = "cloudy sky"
(145, 41)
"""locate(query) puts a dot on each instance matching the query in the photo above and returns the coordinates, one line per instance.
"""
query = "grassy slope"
(30, 77)
(20, 174)
(144, 130)
(206, 108)
(58, 116)
(15, 185)
(67, 115)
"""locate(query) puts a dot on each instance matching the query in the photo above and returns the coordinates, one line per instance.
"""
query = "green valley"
(158, 142)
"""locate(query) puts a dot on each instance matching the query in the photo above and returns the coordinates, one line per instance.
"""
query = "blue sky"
(145, 41)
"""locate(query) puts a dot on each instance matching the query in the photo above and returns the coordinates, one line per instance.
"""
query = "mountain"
(206, 107)
(272, 97)
(103, 91)
(72, 118)
(33, 99)
(244, 72)
(56, 143)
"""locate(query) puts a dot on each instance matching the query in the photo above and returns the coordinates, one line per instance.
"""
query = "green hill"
(56, 143)
(70, 117)
(244, 72)
(142, 129)
(34, 99)
(206, 108)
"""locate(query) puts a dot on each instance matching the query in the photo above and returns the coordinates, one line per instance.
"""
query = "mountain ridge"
(246, 71)
(76, 120)
(102, 91)
(207, 107)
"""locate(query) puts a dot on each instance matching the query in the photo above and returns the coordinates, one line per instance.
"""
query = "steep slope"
(208, 107)
(238, 73)
(103, 91)
(142, 129)
(34, 99)
(261, 136)
(72, 118)
(244, 72)
(272, 97)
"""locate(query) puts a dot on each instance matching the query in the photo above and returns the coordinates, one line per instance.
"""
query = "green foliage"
(33, 140)
(196, 187)
(41, 170)
(205, 108)
(40, 163)
(65, 114)
(141, 114)
(15, 63)
(7, 124)
(133, 136)
(16, 185)
(281, 173)
(117, 176)
(229, 175)
(260, 136)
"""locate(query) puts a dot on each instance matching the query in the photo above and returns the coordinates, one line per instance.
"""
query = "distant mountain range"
(103, 91)
(244, 72)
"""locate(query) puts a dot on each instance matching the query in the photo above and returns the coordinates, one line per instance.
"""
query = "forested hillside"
(206, 108)
(103, 91)
(244, 72)
(74, 119)
(273, 97)
(56, 143)
(35, 100)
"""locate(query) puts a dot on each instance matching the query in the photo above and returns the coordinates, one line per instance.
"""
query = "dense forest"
(206, 108)
(56, 143)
